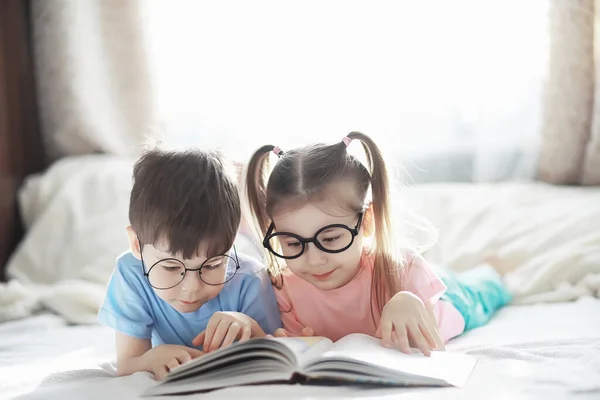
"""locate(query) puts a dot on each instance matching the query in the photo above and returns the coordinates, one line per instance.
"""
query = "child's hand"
(405, 323)
(224, 328)
(163, 358)
(283, 333)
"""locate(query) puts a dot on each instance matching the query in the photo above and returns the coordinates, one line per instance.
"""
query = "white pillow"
(75, 214)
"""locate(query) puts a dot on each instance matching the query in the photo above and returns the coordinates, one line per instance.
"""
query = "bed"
(539, 351)
(64, 227)
(546, 344)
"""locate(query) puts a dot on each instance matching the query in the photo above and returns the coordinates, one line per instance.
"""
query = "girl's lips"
(324, 276)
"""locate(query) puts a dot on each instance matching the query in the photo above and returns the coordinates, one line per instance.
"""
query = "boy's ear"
(368, 224)
(134, 243)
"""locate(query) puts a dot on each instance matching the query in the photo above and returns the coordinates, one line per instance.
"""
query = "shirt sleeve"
(421, 279)
(124, 308)
(258, 301)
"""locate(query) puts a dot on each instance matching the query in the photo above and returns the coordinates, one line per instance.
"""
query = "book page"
(355, 352)
(255, 361)
(289, 350)
(261, 348)
(306, 348)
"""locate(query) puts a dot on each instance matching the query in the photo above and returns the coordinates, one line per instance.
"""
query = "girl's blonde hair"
(309, 174)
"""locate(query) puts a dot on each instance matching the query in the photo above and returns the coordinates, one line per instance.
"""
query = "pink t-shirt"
(340, 312)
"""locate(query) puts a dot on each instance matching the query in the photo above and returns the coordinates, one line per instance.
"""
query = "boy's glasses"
(170, 272)
(330, 239)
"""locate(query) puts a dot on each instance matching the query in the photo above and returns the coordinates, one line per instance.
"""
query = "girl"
(326, 224)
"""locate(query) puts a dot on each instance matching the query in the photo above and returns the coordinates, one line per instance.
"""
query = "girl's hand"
(163, 358)
(406, 323)
(283, 333)
(224, 328)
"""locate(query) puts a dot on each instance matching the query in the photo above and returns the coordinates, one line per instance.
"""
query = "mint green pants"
(477, 293)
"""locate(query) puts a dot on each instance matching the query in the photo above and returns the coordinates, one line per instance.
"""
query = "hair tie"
(346, 141)
(278, 152)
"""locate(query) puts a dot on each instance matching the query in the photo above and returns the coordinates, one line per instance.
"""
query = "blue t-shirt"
(131, 306)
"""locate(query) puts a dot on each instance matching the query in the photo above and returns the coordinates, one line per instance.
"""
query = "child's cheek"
(210, 292)
(167, 295)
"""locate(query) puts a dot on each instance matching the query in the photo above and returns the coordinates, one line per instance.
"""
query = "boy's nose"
(191, 282)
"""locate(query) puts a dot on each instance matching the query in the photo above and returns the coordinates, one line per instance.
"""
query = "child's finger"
(307, 332)
(232, 334)
(172, 364)
(418, 339)
(219, 335)
(402, 339)
(194, 352)
(378, 332)
(395, 340)
(199, 340)
(426, 332)
(184, 357)
(435, 332)
(160, 372)
(210, 331)
(246, 333)
(386, 332)
(280, 332)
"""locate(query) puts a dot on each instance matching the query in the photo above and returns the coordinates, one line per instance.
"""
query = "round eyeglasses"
(333, 238)
(170, 272)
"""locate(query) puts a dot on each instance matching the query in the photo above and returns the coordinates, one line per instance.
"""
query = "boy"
(182, 278)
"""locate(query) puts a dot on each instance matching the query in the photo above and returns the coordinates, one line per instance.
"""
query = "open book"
(356, 359)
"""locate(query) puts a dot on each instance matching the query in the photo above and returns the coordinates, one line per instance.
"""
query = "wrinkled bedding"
(545, 238)
(543, 351)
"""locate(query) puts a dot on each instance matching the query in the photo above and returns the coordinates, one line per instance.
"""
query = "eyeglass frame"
(270, 234)
(186, 269)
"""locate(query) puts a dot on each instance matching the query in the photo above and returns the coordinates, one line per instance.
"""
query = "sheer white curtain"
(450, 89)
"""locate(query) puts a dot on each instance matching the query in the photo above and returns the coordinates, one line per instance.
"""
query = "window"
(451, 89)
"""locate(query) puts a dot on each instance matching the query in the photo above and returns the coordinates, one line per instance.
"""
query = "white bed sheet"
(535, 351)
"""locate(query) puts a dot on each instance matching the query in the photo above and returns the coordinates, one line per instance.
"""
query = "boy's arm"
(130, 351)
(137, 355)
(125, 309)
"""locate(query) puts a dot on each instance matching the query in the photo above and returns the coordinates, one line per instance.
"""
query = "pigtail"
(256, 187)
(257, 175)
(386, 278)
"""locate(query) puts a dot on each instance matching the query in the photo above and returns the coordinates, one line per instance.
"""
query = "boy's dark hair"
(184, 198)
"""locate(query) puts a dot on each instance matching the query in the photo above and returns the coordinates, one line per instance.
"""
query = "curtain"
(451, 90)
(570, 146)
(94, 76)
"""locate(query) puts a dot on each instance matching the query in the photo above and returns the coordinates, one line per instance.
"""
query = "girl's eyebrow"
(327, 230)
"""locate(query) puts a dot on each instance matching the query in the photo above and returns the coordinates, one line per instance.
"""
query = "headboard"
(21, 147)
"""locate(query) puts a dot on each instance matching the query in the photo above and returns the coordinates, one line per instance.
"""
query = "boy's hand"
(405, 322)
(283, 333)
(224, 328)
(163, 358)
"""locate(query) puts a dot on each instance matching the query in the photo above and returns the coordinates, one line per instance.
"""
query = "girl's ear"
(368, 224)
(134, 243)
